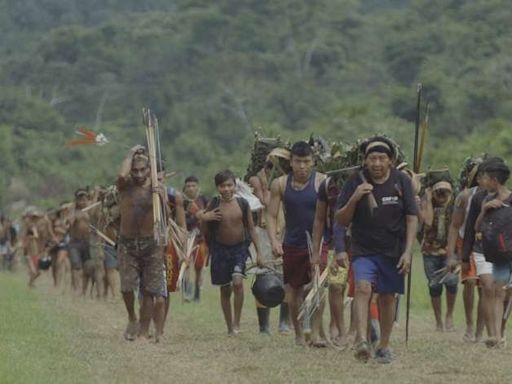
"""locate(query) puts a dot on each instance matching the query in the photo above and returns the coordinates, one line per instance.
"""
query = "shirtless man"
(5, 235)
(194, 204)
(110, 221)
(229, 228)
(37, 233)
(94, 268)
(298, 193)
(141, 260)
(61, 265)
(79, 234)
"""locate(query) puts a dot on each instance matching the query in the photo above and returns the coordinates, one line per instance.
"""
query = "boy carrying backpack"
(494, 226)
(229, 229)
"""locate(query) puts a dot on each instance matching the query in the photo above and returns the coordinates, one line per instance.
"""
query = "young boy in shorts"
(229, 228)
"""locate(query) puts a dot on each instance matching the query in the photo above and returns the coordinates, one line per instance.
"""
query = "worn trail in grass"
(47, 337)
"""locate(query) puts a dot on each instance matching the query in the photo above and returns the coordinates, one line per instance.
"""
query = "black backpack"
(497, 234)
(213, 225)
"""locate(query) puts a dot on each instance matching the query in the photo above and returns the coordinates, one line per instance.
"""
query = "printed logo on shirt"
(390, 200)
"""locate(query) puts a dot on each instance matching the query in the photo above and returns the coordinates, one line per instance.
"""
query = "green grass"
(35, 338)
(47, 337)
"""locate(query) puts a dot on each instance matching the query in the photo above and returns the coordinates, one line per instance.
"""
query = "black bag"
(45, 263)
(268, 288)
(497, 234)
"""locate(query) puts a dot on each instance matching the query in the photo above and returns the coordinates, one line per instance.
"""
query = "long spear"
(416, 170)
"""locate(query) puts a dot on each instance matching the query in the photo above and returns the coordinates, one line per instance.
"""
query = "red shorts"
(35, 262)
(201, 255)
(297, 267)
(471, 273)
(172, 263)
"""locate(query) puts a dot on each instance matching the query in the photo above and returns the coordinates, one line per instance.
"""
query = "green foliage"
(216, 72)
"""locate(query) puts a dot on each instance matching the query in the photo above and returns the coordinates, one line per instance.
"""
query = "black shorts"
(227, 261)
(79, 253)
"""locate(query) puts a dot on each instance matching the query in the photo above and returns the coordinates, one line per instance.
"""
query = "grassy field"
(48, 337)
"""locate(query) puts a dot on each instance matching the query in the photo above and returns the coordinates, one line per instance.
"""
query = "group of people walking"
(319, 230)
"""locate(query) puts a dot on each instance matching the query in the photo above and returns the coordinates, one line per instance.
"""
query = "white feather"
(244, 190)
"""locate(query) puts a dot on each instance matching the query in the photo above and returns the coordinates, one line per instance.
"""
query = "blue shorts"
(226, 261)
(380, 271)
(502, 272)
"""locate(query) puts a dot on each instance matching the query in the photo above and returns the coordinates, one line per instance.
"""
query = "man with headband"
(141, 259)
(436, 208)
(379, 204)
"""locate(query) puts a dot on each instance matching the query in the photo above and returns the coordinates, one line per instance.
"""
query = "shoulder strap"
(282, 181)
(212, 225)
(214, 203)
(327, 181)
(244, 206)
(397, 181)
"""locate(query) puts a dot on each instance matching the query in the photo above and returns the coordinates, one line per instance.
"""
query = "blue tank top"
(299, 212)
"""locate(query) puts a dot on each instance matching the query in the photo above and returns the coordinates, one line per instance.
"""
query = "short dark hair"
(496, 168)
(191, 179)
(301, 149)
(224, 176)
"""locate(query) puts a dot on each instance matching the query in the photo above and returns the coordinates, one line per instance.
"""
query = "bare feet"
(131, 331)
(449, 324)
(158, 338)
(468, 338)
(439, 327)
(340, 341)
(362, 351)
(300, 341)
(491, 343)
(284, 328)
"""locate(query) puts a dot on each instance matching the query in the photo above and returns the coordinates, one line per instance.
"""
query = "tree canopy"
(216, 72)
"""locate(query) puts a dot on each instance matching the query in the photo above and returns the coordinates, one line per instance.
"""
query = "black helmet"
(44, 263)
(268, 288)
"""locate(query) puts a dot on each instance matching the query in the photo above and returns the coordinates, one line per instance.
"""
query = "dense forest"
(216, 72)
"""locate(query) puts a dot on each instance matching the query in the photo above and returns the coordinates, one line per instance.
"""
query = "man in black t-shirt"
(379, 204)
